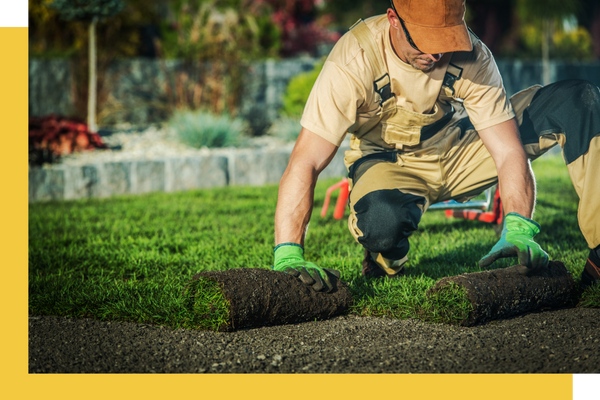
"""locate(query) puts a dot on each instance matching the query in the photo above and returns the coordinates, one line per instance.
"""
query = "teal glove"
(517, 241)
(289, 258)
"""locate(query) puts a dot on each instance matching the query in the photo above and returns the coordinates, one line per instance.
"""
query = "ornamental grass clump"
(286, 128)
(203, 129)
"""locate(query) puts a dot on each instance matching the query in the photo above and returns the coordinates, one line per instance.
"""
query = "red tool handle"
(341, 200)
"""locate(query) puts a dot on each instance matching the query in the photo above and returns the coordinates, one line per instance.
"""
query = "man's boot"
(370, 269)
(591, 271)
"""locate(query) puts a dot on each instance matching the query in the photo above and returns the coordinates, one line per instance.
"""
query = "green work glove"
(289, 258)
(517, 241)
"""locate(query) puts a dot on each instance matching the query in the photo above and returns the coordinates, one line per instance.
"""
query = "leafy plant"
(298, 90)
(302, 24)
(204, 129)
(53, 136)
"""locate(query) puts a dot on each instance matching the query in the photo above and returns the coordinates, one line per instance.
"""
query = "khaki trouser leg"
(584, 170)
(385, 180)
(459, 168)
(419, 178)
(585, 175)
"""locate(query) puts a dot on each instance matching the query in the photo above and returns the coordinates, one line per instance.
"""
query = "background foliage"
(290, 27)
(298, 90)
(87, 10)
(50, 36)
(218, 39)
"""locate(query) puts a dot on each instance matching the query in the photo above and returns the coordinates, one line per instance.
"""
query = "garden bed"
(154, 161)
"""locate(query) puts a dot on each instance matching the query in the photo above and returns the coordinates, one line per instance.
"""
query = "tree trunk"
(547, 26)
(92, 79)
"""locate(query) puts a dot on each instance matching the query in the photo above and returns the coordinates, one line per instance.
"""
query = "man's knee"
(387, 218)
(582, 90)
(570, 108)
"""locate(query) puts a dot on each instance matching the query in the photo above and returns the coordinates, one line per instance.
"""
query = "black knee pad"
(571, 107)
(387, 218)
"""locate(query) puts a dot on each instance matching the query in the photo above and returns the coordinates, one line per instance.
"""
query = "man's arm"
(514, 171)
(310, 156)
(518, 197)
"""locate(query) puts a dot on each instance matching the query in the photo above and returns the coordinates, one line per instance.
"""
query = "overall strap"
(382, 83)
(454, 72)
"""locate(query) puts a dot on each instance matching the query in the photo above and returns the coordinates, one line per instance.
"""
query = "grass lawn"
(129, 258)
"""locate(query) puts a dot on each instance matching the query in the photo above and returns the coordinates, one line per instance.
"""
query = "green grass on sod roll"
(129, 258)
(211, 309)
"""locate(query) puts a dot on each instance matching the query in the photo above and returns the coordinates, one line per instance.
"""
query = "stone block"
(81, 181)
(196, 173)
(148, 176)
(50, 87)
(46, 184)
(116, 178)
(257, 167)
(336, 168)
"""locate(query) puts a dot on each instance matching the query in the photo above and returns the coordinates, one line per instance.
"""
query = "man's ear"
(392, 18)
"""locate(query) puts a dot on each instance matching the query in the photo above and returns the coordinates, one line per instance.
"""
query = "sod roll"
(506, 292)
(260, 297)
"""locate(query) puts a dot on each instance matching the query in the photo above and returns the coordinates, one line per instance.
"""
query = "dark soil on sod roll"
(507, 292)
(558, 341)
(260, 297)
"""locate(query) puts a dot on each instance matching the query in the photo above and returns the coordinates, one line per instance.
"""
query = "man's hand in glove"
(517, 241)
(289, 258)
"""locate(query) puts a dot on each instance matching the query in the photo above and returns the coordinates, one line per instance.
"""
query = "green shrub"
(200, 128)
(286, 128)
(298, 90)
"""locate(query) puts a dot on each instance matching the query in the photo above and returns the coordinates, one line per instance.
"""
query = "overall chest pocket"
(394, 133)
(404, 127)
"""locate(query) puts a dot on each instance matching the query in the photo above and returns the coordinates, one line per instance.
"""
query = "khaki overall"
(451, 162)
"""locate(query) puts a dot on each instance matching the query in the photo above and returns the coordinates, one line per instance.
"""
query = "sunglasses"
(408, 38)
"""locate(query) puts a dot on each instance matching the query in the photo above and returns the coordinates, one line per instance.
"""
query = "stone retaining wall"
(245, 167)
(137, 87)
(137, 90)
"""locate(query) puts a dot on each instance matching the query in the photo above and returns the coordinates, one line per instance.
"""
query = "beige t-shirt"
(343, 99)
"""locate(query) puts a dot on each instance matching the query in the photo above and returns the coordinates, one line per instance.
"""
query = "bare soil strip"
(560, 341)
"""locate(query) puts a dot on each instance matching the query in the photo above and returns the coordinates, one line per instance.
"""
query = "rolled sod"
(254, 297)
(506, 292)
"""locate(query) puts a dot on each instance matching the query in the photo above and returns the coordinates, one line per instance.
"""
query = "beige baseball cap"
(436, 26)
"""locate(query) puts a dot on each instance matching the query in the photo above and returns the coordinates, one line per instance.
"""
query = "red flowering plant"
(301, 25)
(52, 136)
